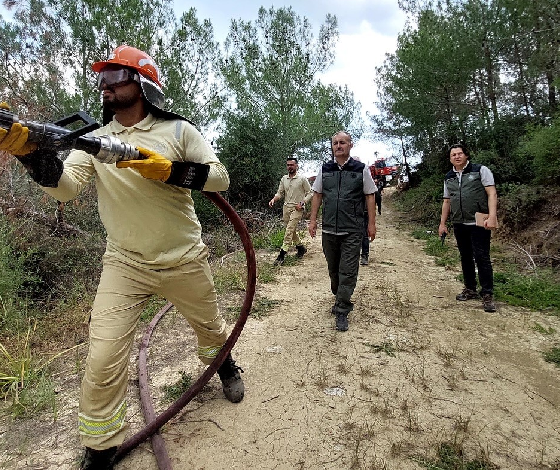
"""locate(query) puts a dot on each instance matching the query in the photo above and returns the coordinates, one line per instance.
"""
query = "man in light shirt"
(154, 243)
(469, 188)
(345, 188)
(296, 192)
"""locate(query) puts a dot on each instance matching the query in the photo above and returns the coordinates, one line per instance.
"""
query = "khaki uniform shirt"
(294, 190)
(148, 223)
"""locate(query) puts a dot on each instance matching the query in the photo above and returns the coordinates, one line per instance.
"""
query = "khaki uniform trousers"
(291, 218)
(122, 294)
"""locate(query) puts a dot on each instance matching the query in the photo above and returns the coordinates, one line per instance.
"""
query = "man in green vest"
(345, 188)
(469, 188)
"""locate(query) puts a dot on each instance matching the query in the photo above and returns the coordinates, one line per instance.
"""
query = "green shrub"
(422, 204)
(541, 146)
(172, 392)
(538, 291)
(553, 356)
(519, 203)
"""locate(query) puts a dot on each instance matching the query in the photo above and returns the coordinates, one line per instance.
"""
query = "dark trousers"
(365, 238)
(342, 253)
(474, 247)
(378, 201)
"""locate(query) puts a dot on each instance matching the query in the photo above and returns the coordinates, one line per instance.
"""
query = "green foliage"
(13, 278)
(249, 150)
(277, 238)
(261, 308)
(172, 392)
(540, 147)
(553, 355)
(444, 84)
(22, 380)
(272, 67)
(191, 57)
(423, 203)
(37, 395)
(543, 330)
(538, 291)
(229, 278)
(445, 254)
(386, 347)
(451, 457)
(266, 272)
(519, 203)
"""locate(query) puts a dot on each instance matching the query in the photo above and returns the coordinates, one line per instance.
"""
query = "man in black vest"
(469, 188)
(345, 188)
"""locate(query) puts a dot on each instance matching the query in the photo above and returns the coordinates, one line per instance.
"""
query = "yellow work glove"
(14, 141)
(154, 166)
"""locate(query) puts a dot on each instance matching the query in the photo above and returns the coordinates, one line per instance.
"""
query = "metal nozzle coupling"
(114, 150)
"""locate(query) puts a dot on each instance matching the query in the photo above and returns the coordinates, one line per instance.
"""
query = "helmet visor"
(116, 77)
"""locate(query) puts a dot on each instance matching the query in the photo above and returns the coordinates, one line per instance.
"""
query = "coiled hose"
(154, 423)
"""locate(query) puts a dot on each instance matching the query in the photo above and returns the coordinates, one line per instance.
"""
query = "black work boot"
(342, 321)
(467, 294)
(301, 250)
(232, 383)
(488, 303)
(280, 259)
(98, 459)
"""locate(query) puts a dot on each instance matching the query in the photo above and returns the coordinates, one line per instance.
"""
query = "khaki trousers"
(291, 218)
(121, 296)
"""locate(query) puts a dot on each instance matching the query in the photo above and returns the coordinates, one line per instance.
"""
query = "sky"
(368, 30)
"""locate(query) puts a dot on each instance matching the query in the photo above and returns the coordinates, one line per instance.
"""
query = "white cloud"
(357, 56)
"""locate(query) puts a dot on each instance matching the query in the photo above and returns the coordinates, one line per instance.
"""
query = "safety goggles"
(116, 77)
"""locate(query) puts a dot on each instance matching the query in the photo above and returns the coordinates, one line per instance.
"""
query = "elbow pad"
(188, 175)
(44, 167)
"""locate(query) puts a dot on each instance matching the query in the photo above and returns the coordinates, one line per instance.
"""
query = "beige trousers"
(291, 218)
(121, 296)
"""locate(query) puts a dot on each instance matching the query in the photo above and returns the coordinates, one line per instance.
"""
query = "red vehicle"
(381, 169)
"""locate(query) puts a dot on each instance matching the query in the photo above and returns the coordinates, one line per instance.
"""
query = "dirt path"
(415, 369)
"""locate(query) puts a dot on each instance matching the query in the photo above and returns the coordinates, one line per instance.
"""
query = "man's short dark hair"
(463, 147)
(291, 158)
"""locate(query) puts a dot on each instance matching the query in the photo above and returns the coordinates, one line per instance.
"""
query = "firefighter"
(296, 192)
(154, 243)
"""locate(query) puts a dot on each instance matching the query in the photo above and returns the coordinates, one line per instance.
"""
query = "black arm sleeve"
(44, 167)
(188, 175)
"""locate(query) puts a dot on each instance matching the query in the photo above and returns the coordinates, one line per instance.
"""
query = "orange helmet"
(131, 57)
(148, 72)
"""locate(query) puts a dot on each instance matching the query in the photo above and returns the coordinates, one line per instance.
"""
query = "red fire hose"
(154, 423)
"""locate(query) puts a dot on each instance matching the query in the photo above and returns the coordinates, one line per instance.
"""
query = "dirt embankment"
(415, 369)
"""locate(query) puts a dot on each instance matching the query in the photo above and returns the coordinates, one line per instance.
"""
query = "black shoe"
(342, 321)
(301, 250)
(364, 261)
(280, 259)
(467, 294)
(98, 459)
(488, 303)
(232, 383)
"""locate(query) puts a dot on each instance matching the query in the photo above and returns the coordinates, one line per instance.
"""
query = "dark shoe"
(467, 294)
(364, 261)
(280, 259)
(301, 250)
(488, 303)
(342, 321)
(98, 459)
(232, 383)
